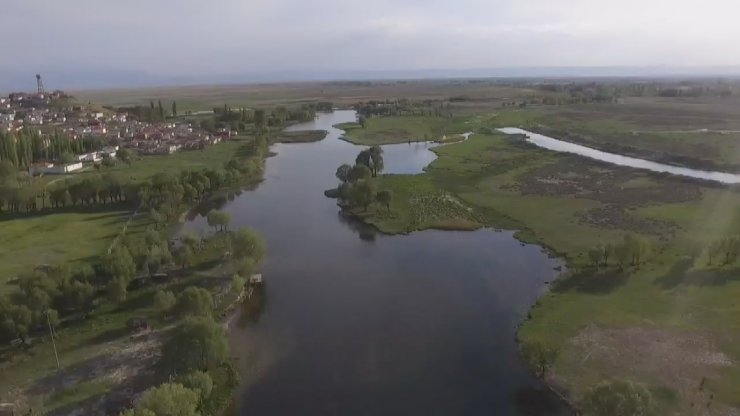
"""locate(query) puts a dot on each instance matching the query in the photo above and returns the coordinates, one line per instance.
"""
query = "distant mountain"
(15, 79)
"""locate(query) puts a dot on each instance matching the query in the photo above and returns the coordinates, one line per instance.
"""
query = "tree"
(164, 301)
(198, 343)
(363, 158)
(595, 254)
(237, 283)
(359, 172)
(362, 121)
(218, 219)
(363, 193)
(120, 263)
(66, 158)
(18, 321)
(168, 399)
(247, 243)
(343, 173)
(124, 155)
(174, 109)
(116, 290)
(384, 197)
(184, 256)
(376, 160)
(194, 301)
(539, 356)
(199, 381)
(7, 173)
(618, 398)
(621, 253)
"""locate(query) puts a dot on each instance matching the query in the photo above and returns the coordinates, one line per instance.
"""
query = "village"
(57, 113)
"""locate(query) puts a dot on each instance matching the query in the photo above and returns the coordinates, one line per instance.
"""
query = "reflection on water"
(567, 147)
(360, 323)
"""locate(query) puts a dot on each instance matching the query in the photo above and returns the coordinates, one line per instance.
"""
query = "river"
(567, 147)
(359, 323)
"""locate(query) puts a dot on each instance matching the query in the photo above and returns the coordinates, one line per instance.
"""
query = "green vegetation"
(299, 136)
(651, 259)
(618, 398)
(387, 130)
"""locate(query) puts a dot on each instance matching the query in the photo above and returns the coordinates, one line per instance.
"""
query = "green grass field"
(67, 237)
(605, 323)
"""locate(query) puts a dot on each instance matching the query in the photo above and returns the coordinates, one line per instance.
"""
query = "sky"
(200, 39)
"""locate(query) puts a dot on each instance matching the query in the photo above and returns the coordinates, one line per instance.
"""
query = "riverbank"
(573, 205)
(92, 346)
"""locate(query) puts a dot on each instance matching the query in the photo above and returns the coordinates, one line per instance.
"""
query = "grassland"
(299, 136)
(292, 94)
(669, 323)
(417, 204)
(66, 237)
(698, 133)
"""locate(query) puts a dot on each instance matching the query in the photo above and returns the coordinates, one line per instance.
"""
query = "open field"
(66, 237)
(270, 95)
(669, 322)
(402, 129)
(416, 205)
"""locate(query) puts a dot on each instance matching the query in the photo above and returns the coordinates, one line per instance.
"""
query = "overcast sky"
(189, 37)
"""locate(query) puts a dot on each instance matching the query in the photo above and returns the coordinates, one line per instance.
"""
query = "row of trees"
(22, 148)
(403, 107)
(164, 192)
(727, 249)
(196, 355)
(631, 250)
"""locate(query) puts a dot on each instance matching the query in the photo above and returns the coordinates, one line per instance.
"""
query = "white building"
(7, 117)
(89, 157)
(52, 169)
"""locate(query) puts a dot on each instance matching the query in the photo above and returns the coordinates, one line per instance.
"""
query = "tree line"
(25, 147)
(403, 107)
(108, 188)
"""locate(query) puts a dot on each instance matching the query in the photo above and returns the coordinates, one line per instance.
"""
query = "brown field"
(264, 95)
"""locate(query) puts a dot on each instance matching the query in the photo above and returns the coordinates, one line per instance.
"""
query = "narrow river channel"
(568, 147)
(358, 323)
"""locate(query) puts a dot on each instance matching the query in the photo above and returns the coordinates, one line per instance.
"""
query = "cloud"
(189, 37)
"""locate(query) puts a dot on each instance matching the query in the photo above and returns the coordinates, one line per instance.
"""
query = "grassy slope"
(673, 296)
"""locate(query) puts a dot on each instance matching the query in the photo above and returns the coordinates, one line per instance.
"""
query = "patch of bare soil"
(126, 364)
(614, 217)
(581, 178)
(677, 360)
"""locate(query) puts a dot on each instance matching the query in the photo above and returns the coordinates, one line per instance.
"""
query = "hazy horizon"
(91, 44)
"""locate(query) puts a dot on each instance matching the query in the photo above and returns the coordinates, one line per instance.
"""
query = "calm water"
(563, 146)
(363, 324)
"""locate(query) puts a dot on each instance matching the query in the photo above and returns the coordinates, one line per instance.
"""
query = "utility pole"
(53, 343)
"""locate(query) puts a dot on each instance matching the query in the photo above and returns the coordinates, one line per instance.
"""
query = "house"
(97, 115)
(89, 157)
(7, 117)
(108, 151)
(52, 169)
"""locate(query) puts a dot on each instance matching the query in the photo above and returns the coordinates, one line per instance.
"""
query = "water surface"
(358, 323)
(567, 147)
